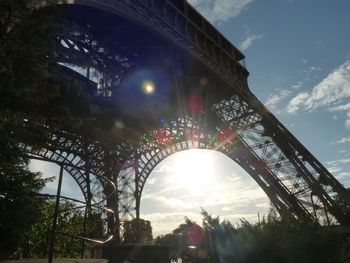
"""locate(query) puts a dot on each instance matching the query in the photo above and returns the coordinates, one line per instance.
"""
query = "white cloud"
(337, 162)
(343, 140)
(232, 194)
(295, 104)
(334, 169)
(330, 92)
(344, 107)
(312, 72)
(246, 43)
(312, 69)
(274, 99)
(334, 87)
(344, 175)
(298, 85)
(337, 167)
(220, 10)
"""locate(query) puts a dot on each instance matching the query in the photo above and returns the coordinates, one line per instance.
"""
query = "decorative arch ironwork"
(242, 136)
(193, 133)
(90, 164)
(232, 120)
(71, 152)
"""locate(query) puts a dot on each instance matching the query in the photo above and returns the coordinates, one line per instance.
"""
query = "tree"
(137, 231)
(39, 234)
(301, 239)
(345, 206)
(19, 203)
(34, 102)
(70, 226)
(24, 86)
(273, 240)
(183, 239)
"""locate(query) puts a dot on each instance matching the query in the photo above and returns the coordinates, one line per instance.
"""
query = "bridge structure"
(171, 81)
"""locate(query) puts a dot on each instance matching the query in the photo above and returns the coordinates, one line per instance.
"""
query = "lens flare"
(226, 135)
(163, 136)
(195, 103)
(148, 87)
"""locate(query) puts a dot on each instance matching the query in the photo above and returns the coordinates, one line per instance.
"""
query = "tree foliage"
(182, 238)
(272, 240)
(34, 101)
(137, 231)
(19, 203)
(70, 229)
(30, 87)
(25, 89)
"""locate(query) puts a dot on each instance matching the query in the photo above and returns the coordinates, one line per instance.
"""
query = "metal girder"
(66, 159)
(291, 186)
(188, 133)
(80, 49)
(182, 25)
(172, 137)
(284, 156)
(92, 175)
(266, 150)
(238, 125)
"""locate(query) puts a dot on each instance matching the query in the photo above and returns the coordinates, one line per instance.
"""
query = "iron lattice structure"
(207, 104)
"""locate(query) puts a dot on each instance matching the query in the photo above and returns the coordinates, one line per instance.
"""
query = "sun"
(194, 169)
(148, 87)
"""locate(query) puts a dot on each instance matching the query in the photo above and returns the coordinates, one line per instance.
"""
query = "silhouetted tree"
(34, 101)
(342, 204)
(25, 92)
(183, 239)
(19, 203)
(272, 240)
(137, 231)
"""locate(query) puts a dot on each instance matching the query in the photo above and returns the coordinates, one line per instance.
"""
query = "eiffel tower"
(174, 82)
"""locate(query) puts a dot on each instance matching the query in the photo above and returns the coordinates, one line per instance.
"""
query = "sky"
(298, 56)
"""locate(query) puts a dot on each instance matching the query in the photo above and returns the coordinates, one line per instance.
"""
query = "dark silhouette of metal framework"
(208, 105)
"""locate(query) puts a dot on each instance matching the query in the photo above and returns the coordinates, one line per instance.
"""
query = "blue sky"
(298, 56)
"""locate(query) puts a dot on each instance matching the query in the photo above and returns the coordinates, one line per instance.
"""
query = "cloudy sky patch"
(332, 93)
(218, 11)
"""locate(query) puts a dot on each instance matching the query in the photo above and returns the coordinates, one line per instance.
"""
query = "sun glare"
(194, 169)
(148, 87)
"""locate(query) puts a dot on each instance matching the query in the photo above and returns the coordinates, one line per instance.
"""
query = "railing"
(195, 29)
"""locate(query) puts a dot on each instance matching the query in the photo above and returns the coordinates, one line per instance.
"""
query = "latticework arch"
(231, 120)
(187, 133)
